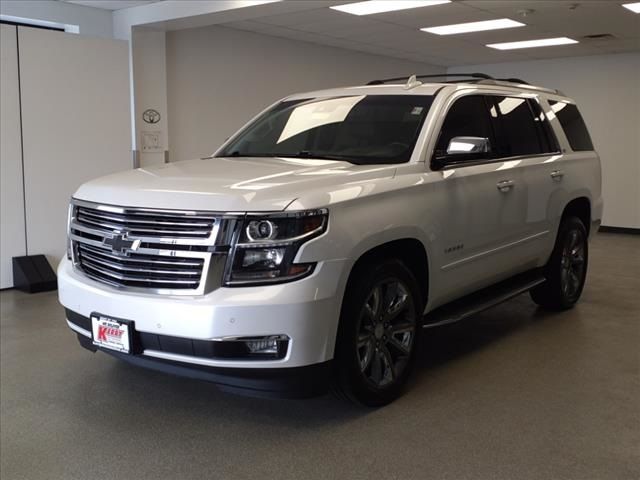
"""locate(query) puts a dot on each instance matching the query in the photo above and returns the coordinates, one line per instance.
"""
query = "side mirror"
(468, 145)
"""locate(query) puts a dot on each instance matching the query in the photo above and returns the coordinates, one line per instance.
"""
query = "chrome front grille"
(140, 270)
(148, 250)
(147, 223)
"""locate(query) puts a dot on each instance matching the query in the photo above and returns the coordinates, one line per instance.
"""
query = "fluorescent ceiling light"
(473, 27)
(634, 7)
(379, 6)
(543, 42)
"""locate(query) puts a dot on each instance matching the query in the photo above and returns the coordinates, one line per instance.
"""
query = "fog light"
(275, 345)
(267, 345)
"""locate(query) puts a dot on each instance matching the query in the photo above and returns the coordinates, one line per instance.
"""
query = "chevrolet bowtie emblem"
(119, 243)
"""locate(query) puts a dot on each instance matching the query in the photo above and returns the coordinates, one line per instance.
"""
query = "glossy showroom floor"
(514, 393)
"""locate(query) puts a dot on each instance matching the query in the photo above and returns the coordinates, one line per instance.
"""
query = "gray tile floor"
(514, 393)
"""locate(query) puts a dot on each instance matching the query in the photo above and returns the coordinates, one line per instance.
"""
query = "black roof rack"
(513, 80)
(482, 76)
(476, 77)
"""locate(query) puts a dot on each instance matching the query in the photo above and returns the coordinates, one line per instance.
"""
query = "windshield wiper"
(237, 153)
(301, 154)
(320, 156)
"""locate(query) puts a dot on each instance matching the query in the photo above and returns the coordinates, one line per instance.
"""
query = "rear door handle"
(557, 175)
(505, 185)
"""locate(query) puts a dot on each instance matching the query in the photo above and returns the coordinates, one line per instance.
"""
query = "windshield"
(363, 129)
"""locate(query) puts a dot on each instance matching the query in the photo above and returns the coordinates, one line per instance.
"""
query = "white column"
(150, 87)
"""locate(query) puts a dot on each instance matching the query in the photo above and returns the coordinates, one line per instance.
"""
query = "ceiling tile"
(588, 17)
(248, 25)
(415, 41)
(618, 46)
(506, 35)
(366, 30)
(326, 15)
(574, 50)
(444, 14)
(397, 34)
(111, 4)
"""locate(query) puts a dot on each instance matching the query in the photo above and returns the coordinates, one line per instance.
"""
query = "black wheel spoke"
(399, 346)
(572, 263)
(364, 339)
(365, 359)
(386, 332)
(373, 305)
(402, 327)
(389, 363)
(376, 368)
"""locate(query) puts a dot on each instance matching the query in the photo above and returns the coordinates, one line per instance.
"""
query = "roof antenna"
(412, 83)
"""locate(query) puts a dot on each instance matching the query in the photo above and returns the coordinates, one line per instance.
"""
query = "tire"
(566, 270)
(378, 333)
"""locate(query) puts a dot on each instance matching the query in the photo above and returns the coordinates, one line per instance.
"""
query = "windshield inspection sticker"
(416, 110)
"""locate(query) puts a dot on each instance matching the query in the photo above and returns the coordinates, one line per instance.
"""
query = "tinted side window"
(467, 117)
(517, 130)
(545, 132)
(573, 125)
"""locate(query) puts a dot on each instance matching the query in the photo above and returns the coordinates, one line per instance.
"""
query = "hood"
(230, 184)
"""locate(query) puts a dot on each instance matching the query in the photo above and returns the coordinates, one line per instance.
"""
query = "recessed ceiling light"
(473, 27)
(634, 7)
(379, 6)
(543, 42)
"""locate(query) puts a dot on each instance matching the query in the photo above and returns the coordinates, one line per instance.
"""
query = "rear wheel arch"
(579, 207)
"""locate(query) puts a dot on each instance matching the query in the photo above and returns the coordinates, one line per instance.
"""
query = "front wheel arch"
(350, 379)
(409, 251)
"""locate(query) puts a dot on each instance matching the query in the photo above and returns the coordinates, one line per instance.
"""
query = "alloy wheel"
(386, 332)
(572, 264)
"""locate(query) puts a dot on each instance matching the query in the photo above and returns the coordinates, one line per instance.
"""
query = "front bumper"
(295, 382)
(306, 311)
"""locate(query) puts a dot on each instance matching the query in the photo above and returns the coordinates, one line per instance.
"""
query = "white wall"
(91, 21)
(218, 78)
(607, 90)
(12, 241)
(75, 125)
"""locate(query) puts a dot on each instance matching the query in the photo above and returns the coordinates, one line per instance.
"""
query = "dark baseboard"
(627, 230)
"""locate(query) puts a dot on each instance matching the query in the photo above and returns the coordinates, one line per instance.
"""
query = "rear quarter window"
(573, 125)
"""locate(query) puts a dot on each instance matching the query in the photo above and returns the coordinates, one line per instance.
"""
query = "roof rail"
(432, 75)
(513, 80)
(476, 77)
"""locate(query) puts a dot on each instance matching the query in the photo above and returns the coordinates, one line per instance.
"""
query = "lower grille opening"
(228, 350)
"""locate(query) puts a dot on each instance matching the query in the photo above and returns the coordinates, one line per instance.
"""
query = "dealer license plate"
(111, 333)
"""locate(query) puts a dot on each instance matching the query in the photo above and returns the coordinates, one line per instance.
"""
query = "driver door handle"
(505, 186)
(557, 175)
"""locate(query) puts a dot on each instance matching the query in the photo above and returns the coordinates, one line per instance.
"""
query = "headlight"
(267, 246)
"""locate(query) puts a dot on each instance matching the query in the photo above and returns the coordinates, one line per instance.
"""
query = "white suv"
(314, 246)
